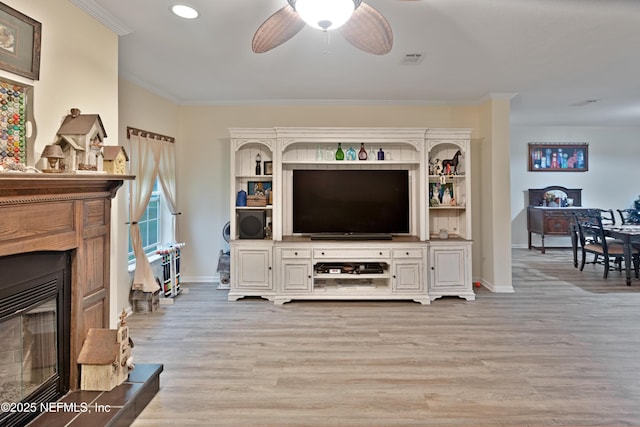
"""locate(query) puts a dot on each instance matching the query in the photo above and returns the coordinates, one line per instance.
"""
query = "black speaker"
(251, 224)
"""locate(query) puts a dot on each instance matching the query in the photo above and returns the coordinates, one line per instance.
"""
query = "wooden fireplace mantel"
(65, 212)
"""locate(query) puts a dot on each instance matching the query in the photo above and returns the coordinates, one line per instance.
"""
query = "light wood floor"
(564, 349)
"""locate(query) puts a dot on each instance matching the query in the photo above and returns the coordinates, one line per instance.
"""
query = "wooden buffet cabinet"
(284, 266)
(550, 220)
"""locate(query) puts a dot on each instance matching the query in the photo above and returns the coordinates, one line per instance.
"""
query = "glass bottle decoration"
(329, 154)
(362, 154)
(258, 160)
(351, 154)
(319, 153)
(372, 154)
(380, 154)
(339, 152)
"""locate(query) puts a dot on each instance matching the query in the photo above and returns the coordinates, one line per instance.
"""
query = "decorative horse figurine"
(452, 163)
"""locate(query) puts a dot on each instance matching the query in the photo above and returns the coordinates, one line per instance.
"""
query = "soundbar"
(351, 236)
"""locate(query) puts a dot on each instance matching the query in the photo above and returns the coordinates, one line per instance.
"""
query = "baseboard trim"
(201, 279)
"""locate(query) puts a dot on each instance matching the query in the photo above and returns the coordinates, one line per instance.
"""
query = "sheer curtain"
(145, 154)
(167, 175)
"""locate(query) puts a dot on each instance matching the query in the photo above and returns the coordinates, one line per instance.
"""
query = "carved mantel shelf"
(16, 187)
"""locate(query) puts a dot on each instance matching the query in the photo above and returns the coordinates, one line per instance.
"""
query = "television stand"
(351, 236)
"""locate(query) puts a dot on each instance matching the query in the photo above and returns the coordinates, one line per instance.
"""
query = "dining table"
(628, 234)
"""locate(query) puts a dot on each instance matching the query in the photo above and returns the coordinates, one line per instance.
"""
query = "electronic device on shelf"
(350, 268)
(350, 202)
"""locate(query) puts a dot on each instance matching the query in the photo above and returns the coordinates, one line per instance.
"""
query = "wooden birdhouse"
(114, 159)
(81, 137)
(105, 357)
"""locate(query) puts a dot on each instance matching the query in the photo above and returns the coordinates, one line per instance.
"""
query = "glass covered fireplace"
(34, 332)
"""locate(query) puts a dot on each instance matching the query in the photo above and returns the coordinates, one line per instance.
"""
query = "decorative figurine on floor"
(106, 357)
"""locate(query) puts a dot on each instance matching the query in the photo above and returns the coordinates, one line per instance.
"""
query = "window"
(150, 224)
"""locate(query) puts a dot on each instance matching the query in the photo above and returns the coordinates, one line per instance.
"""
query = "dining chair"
(608, 218)
(624, 215)
(592, 239)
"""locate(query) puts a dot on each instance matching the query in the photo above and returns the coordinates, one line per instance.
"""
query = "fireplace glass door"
(35, 309)
(30, 352)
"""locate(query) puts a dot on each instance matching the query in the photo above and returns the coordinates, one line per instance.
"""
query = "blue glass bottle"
(351, 154)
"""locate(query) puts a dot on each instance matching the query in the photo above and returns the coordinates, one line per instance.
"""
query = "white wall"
(612, 181)
(204, 160)
(78, 68)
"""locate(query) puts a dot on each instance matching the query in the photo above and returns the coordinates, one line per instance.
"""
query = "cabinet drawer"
(407, 253)
(296, 253)
(347, 253)
(556, 225)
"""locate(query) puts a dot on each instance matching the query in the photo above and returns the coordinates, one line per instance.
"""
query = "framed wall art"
(20, 38)
(258, 188)
(558, 157)
(268, 167)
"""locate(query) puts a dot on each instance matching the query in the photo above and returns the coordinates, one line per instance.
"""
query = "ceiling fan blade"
(368, 30)
(277, 29)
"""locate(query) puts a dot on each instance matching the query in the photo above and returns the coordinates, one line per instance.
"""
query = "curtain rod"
(153, 135)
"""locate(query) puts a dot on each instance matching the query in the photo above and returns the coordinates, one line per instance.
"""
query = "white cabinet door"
(407, 277)
(450, 266)
(296, 276)
(253, 269)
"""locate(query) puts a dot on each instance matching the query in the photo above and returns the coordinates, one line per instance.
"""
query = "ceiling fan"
(360, 24)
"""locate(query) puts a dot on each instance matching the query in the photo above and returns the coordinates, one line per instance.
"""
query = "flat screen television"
(350, 201)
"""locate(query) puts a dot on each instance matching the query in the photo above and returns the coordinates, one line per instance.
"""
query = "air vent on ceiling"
(412, 58)
(585, 102)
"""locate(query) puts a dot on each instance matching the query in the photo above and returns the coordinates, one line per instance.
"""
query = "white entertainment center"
(273, 260)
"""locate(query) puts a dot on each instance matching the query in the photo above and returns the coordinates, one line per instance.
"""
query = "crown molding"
(99, 13)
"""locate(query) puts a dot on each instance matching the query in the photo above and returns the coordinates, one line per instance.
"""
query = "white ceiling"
(548, 54)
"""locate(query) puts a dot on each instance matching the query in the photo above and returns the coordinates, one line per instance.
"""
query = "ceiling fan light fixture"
(325, 14)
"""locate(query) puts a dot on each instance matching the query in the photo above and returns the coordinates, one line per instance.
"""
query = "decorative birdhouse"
(114, 159)
(106, 357)
(81, 137)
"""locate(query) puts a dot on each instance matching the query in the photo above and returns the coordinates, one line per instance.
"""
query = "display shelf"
(338, 288)
(348, 276)
(253, 208)
(451, 211)
(434, 178)
(351, 162)
(255, 177)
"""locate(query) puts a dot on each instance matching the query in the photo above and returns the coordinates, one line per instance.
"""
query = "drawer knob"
(322, 253)
(295, 253)
(380, 253)
(407, 253)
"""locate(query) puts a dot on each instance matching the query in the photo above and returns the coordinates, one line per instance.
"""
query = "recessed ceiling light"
(184, 11)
